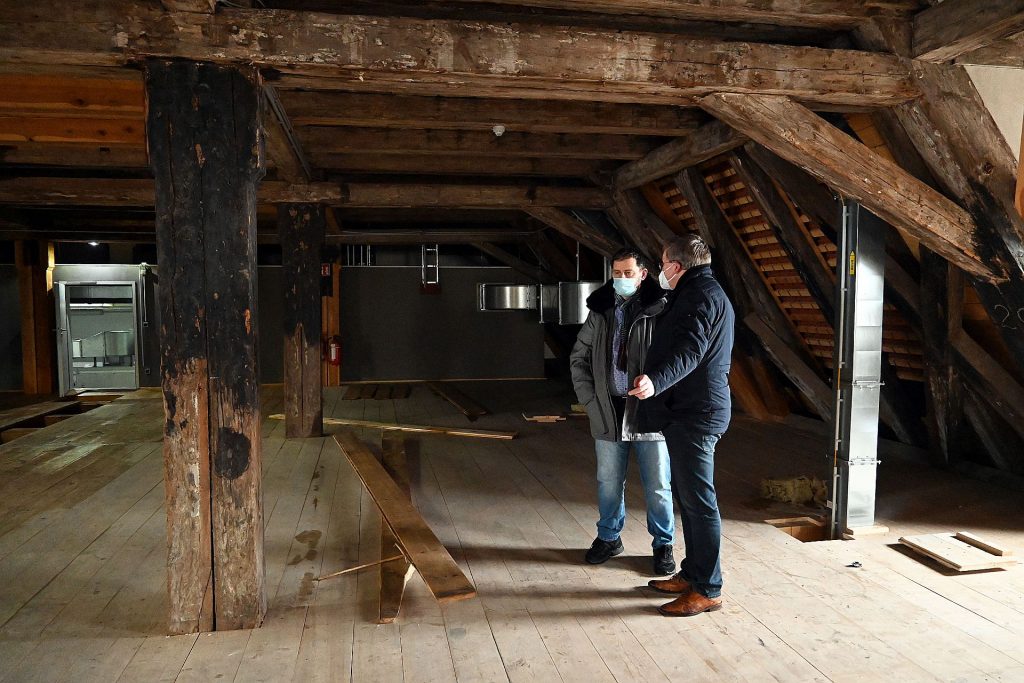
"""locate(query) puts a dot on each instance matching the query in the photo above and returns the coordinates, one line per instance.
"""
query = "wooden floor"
(82, 564)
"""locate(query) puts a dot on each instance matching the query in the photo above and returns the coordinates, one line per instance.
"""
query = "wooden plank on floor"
(402, 391)
(383, 392)
(367, 391)
(352, 392)
(14, 416)
(393, 575)
(955, 554)
(433, 562)
(419, 429)
(466, 405)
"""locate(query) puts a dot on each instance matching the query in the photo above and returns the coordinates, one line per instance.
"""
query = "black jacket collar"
(603, 298)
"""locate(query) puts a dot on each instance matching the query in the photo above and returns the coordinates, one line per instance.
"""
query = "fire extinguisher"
(334, 350)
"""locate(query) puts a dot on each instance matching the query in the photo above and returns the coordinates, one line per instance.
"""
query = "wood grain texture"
(301, 228)
(706, 142)
(435, 565)
(955, 27)
(206, 162)
(797, 134)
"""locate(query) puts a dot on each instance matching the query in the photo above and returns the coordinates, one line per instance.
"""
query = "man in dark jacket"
(684, 392)
(609, 352)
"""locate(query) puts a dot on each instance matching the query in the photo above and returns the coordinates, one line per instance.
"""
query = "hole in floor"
(803, 529)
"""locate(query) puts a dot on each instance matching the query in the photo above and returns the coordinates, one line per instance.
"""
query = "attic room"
(315, 314)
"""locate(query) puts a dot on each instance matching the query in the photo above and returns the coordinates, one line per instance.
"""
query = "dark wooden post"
(301, 228)
(35, 290)
(204, 146)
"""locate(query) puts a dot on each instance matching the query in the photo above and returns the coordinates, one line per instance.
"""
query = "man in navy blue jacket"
(684, 393)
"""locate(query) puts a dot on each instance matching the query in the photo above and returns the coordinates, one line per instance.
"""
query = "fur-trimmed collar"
(603, 298)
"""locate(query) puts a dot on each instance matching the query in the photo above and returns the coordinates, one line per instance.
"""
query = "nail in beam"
(301, 228)
(203, 134)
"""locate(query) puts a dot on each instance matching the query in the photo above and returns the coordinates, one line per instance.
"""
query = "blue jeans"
(612, 463)
(693, 483)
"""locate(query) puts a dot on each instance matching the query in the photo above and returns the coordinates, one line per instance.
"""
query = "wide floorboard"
(82, 552)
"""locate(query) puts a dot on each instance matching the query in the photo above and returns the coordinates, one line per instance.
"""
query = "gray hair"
(690, 250)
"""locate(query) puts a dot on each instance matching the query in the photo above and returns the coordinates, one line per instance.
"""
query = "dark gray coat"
(591, 360)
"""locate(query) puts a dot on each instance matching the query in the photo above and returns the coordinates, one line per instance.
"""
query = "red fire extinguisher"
(334, 350)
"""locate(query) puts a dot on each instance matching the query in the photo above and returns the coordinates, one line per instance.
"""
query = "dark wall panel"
(10, 329)
(390, 330)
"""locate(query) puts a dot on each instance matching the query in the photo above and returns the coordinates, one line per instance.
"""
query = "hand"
(643, 387)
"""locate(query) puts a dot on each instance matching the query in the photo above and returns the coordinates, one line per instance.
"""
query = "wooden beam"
(282, 145)
(706, 142)
(448, 165)
(941, 303)
(744, 281)
(418, 543)
(415, 429)
(453, 236)
(48, 191)
(204, 146)
(639, 224)
(805, 378)
(797, 134)
(515, 263)
(372, 110)
(552, 257)
(814, 198)
(466, 405)
(970, 159)
(833, 14)
(301, 229)
(73, 155)
(992, 380)
(955, 27)
(1004, 52)
(323, 141)
(393, 575)
(456, 57)
(110, 93)
(572, 228)
(790, 233)
(108, 132)
(34, 263)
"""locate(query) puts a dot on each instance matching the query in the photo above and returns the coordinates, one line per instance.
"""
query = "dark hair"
(628, 253)
(689, 250)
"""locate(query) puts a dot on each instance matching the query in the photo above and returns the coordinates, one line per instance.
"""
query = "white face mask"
(666, 282)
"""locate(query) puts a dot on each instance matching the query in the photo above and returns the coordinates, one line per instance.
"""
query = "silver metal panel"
(858, 359)
(502, 297)
(572, 301)
(548, 303)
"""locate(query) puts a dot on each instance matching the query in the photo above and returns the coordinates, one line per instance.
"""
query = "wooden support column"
(34, 263)
(301, 227)
(203, 132)
(942, 288)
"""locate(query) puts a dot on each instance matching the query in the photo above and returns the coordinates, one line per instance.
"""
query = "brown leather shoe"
(675, 585)
(690, 604)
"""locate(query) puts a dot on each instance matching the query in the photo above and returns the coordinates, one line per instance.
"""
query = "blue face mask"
(625, 286)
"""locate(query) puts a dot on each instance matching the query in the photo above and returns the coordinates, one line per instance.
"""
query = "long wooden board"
(15, 416)
(951, 552)
(440, 573)
(467, 406)
(420, 429)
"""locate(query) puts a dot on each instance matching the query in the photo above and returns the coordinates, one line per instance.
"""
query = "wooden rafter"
(515, 263)
(955, 27)
(282, 145)
(468, 113)
(46, 191)
(706, 142)
(797, 134)
(569, 226)
(472, 58)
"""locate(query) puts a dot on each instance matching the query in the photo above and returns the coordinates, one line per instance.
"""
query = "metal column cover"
(858, 361)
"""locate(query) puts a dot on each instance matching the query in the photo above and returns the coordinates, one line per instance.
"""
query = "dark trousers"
(692, 457)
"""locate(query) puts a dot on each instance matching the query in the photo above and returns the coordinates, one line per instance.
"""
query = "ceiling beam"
(706, 142)
(324, 140)
(474, 165)
(956, 27)
(572, 228)
(454, 57)
(306, 108)
(799, 135)
(834, 14)
(398, 237)
(515, 263)
(46, 191)
(73, 155)
(282, 145)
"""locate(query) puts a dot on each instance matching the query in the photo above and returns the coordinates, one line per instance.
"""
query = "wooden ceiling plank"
(956, 27)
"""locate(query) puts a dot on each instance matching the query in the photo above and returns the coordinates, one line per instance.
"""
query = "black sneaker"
(601, 551)
(664, 561)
